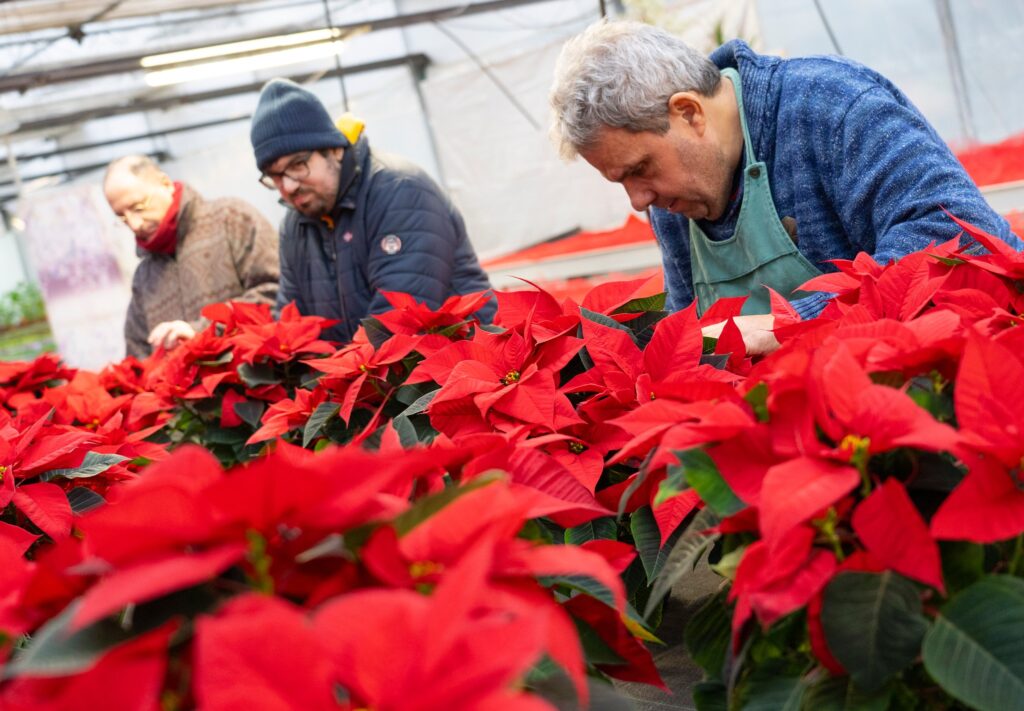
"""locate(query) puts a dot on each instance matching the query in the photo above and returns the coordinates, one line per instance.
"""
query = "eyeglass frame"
(301, 165)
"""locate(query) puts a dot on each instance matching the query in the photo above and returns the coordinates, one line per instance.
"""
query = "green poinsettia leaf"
(599, 529)
(701, 473)
(974, 649)
(318, 420)
(707, 635)
(92, 465)
(780, 693)
(683, 554)
(873, 625)
(254, 375)
(376, 332)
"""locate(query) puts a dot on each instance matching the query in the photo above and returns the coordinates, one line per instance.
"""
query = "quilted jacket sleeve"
(287, 287)
(415, 217)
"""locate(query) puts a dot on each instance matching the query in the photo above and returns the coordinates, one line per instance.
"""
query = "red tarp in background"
(995, 162)
(988, 164)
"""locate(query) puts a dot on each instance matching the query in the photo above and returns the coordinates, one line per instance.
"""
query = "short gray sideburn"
(621, 75)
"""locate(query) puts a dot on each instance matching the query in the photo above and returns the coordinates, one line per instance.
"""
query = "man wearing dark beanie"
(360, 222)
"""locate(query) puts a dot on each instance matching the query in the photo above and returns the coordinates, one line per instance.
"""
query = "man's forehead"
(615, 152)
(125, 185)
(284, 160)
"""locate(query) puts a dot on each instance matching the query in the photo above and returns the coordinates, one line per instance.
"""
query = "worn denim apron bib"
(760, 252)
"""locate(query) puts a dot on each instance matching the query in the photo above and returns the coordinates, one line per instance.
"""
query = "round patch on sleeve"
(391, 244)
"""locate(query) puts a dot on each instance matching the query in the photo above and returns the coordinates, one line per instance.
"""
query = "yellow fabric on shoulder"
(350, 126)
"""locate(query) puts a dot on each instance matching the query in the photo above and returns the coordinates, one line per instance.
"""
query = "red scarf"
(165, 239)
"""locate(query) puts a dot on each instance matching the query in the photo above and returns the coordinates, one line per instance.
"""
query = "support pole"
(956, 70)
(26, 268)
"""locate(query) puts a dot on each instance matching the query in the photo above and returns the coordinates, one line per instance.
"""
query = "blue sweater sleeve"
(889, 167)
(672, 234)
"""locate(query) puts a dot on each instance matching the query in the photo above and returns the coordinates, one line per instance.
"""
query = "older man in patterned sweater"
(758, 170)
(194, 252)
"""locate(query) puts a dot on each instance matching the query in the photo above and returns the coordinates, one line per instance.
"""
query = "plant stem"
(1018, 555)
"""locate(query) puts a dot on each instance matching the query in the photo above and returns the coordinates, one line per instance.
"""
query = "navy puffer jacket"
(394, 230)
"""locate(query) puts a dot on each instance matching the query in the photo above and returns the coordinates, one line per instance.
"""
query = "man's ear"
(688, 107)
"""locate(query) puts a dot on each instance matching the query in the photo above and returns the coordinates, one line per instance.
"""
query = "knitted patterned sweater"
(226, 250)
(849, 157)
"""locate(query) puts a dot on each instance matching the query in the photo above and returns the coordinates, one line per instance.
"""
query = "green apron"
(760, 251)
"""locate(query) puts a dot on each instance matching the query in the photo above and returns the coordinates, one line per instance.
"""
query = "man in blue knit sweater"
(757, 170)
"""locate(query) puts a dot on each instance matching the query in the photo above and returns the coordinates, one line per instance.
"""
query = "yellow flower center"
(422, 568)
(511, 376)
(854, 444)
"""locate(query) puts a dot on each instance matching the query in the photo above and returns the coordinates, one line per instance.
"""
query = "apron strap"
(734, 76)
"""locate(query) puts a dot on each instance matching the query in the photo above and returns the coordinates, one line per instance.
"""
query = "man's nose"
(639, 196)
(135, 221)
(288, 185)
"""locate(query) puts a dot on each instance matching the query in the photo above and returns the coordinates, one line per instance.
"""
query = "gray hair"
(140, 165)
(621, 75)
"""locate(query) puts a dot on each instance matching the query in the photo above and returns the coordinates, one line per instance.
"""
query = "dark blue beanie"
(289, 119)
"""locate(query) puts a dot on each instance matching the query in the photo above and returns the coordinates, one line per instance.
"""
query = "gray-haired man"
(758, 170)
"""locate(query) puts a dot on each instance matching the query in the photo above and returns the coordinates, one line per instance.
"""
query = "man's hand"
(169, 333)
(756, 331)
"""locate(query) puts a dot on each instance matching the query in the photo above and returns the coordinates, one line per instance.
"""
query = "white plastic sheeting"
(500, 168)
(504, 172)
(83, 260)
(904, 41)
(704, 24)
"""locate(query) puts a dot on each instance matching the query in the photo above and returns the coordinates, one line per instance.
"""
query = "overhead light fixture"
(261, 44)
(244, 56)
(238, 65)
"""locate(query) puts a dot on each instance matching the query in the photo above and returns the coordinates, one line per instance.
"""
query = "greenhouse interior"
(422, 355)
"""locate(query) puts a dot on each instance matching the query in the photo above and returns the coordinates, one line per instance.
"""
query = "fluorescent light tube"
(238, 65)
(245, 46)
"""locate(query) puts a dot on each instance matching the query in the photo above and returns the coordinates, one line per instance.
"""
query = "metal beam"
(163, 18)
(35, 15)
(98, 15)
(124, 24)
(23, 81)
(64, 150)
(158, 156)
(418, 61)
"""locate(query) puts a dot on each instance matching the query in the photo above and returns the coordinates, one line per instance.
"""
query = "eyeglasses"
(137, 209)
(297, 170)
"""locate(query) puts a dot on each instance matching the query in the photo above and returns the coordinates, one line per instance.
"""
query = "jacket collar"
(352, 169)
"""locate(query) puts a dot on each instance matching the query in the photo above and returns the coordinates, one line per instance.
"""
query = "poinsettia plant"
(868, 513)
(548, 478)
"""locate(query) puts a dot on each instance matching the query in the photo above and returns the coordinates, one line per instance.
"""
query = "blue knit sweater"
(849, 157)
